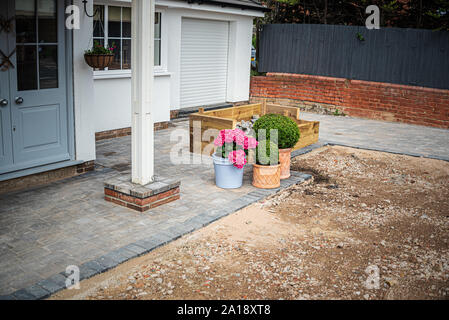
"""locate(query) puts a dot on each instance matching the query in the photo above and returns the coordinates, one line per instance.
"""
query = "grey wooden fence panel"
(393, 55)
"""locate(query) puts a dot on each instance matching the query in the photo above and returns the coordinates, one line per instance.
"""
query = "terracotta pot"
(266, 177)
(99, 61)
(285, 159)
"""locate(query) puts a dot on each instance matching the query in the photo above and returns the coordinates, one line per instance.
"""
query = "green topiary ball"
(267, 153)
(288, 131)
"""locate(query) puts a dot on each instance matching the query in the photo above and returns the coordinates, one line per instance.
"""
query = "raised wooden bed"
(201, 123)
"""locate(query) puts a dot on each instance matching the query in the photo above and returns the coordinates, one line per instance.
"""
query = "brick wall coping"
(353, 81)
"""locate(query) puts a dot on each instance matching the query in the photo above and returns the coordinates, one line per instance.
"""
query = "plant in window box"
(100, 57)
(267, 170)
(231, 156)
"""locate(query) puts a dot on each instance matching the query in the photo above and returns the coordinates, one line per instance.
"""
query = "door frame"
(68, 50)
(5, 111)
(69, 84)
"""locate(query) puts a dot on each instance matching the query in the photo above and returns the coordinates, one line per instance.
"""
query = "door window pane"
(116, 65)
(37, 64)
(48, 67)
(26, 68)
(47, 20)
(114, 17)
(25, 21)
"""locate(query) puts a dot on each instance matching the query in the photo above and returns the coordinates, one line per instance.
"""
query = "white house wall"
(112, 98)
(239, 68)
(83, 91)
(113, 102)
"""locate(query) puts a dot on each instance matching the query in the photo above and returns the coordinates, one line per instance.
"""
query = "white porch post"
(142, 131)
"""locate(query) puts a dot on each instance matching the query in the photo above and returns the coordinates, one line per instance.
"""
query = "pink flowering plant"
(234, 144)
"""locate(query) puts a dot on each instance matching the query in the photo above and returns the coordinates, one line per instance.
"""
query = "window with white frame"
(112, 26)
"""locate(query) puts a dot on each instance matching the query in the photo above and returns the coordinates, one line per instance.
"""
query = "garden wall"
(413, 57)
(365, 99)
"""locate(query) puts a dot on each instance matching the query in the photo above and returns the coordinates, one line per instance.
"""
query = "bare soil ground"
(364, 214)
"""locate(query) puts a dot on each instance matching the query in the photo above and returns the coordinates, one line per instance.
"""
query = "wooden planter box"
(201, 137)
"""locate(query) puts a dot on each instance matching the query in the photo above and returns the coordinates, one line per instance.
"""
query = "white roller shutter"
(204, 62)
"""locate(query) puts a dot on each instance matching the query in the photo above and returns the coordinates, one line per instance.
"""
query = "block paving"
(47, 228)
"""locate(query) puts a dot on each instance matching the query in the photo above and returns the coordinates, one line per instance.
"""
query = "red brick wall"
(374, 100)
(116, 133)
(46, 177)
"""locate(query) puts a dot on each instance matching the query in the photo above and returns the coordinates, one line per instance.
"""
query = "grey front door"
(37, 132)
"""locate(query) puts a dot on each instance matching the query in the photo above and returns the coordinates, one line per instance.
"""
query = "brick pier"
(122, 191)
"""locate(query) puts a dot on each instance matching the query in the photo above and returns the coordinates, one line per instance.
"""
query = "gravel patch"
(370, 225)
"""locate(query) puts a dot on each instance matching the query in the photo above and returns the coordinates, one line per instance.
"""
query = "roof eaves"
(235, 4)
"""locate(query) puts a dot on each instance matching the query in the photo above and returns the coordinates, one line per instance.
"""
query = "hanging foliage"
(423, 14)
(99, 57)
